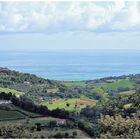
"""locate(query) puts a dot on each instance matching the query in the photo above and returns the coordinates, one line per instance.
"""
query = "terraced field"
(11, 112)
(10, 115)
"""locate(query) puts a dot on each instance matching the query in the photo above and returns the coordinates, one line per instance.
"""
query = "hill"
(51, 92)
(43, 108)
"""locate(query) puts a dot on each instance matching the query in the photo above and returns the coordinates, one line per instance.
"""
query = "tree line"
(27, 104)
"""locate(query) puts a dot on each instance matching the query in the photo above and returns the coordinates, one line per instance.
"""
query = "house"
(26, 83)
(5, 102)
(4, 71)
(61, 122)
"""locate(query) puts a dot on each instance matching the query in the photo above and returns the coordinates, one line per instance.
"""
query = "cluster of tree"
(61, 135)
(108, 119)
(10, 131)
(5, 96)
(92, 113)
(25, 79)
(119, 127)
(27, 104)
(93, 129)
(37, 86)
(18, 131)
(116, 117)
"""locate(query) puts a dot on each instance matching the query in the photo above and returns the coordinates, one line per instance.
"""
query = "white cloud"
(128, 18)
(65, 16)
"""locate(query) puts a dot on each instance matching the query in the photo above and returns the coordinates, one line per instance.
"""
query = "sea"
(72, 65)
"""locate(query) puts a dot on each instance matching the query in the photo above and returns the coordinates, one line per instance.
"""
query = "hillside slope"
(49, 92)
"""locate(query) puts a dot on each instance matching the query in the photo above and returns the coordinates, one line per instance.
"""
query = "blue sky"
(70, 25)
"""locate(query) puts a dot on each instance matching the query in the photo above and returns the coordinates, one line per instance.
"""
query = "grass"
(9, 111)
(126, 106)
(61, 103)
(54, 90)
(32, 121)
(41, 120)
(98, 90)
(84, 97)
(8, 90)
(125, 83)
(9, 115)
(27, 113)
(74, 83)
(130, 92)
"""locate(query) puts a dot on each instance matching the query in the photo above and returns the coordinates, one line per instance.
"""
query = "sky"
(69, 25)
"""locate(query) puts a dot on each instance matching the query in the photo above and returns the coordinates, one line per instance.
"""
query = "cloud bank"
(52, 17)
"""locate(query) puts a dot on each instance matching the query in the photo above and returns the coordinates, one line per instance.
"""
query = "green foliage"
(10, 115)
(116, 117)
(13, 131)
(74, 133)
(116, 114)
(119, 127)
(11, 112)
(7, 90)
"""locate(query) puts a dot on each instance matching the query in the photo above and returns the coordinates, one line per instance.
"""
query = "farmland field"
(11, 112)
(75, 83)
(128, 92)
(8, 90)
(9, 115)
(125, 83)
(41, 120)
(62, 103)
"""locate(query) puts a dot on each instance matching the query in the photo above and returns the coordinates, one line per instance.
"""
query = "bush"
(74, 133)
(58, 135)
(66, 134)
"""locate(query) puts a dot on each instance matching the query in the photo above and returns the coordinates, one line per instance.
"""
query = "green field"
(9, 115)
(128, 92)
(75, 83)
(11, 112)
(125, 83)
(62, 104)
(8, 90)
(27, 113)
(33, 121)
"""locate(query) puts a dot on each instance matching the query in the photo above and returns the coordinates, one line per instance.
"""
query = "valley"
(67, 109)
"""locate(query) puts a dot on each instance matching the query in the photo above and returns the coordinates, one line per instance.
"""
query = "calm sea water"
(73, 65)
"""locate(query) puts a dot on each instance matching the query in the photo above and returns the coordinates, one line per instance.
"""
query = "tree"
(53, 123)
(38, 125)
(67, 104)
(119, 127)
(74, 133)
(66, 134)
(10, 131)
(58, 135)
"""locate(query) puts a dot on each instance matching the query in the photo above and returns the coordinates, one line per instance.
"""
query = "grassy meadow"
(62, 103)
(13, 91)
